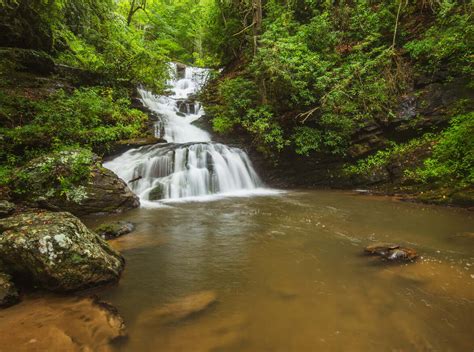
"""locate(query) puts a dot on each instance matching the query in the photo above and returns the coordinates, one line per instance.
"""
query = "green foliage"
(307, 139)
(121, 54)
(267, 133)
(90, 117)
(63, 173)
(239, 106)
(452, 160)
(448, 42)
(385, 157)
(309, 70)
(326, 69)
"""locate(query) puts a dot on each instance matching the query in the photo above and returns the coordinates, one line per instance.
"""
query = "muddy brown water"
(288, 275)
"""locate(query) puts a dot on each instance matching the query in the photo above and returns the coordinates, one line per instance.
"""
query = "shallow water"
(289, 275)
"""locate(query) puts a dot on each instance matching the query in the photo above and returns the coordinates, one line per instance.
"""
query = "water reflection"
(289, 275)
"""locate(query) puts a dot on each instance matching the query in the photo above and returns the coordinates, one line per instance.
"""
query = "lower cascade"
(190, 165)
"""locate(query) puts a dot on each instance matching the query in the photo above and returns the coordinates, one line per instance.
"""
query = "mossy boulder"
(114, 229)
(157, 193)
(73, 181)
(56, 251)
(8, 292)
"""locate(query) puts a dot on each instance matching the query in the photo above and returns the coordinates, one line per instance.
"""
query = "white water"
(189, 166)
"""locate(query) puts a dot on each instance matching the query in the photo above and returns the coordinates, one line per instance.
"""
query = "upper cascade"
(180, 109)
(190, 164)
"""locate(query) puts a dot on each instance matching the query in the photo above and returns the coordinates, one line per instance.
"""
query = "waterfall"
(189, 164)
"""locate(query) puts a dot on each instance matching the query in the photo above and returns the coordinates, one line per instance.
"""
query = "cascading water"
(190, 164)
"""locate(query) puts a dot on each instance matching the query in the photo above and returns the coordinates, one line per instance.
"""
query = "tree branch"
(243, 30)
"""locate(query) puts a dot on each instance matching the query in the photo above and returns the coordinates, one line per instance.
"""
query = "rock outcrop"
(57, 252)
(73, 181)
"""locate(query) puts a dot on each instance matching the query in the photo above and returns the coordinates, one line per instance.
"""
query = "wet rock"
(401, 254)
(6, 208)
(61, 324)
(8, 292)
(156, 193)
(180, 70)
(56, 251)
(126, 144)
(186, 106)
(181, 309)
(73, 181)
(391, 252)
(380, 248)
(114, 229)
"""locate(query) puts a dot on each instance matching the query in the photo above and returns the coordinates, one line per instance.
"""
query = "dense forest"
(379, 90)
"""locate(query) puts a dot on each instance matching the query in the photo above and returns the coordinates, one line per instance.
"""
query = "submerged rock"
(114, 229)
(391, 252)
(181, 309)
(61, 324)
(56, 251)
(6, 208)
(8, 292)
(73, 181)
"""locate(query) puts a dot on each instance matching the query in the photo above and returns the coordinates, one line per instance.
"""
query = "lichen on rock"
(56, 251)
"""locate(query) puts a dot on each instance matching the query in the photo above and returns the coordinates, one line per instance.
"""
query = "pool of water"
(289, 275)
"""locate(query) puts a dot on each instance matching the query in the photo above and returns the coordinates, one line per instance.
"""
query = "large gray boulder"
(56, 251)
(73, 181)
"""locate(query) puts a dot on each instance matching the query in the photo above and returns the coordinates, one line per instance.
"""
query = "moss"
(157, 193)
(61, 174)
